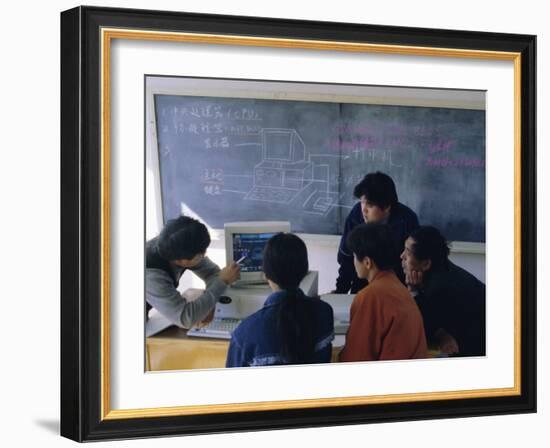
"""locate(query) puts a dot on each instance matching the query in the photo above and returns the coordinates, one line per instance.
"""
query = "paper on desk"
(157, 322)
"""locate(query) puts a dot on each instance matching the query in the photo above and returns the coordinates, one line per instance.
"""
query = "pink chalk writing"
(440, 146)
(446, 162)
(375, 126)
(369, 143)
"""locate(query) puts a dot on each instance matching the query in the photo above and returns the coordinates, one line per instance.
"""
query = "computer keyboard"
(218, 328)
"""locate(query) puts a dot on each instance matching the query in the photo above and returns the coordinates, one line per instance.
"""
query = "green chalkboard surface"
(232, 159)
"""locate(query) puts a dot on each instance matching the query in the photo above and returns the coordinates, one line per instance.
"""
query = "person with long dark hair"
(291, 328)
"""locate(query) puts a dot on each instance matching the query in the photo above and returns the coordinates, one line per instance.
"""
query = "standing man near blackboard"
(182, 245)
(378, 203)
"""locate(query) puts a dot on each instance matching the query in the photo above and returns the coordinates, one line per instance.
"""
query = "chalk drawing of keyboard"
(271, 194)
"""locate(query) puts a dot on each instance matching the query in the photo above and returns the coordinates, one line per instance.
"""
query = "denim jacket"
(256, 341)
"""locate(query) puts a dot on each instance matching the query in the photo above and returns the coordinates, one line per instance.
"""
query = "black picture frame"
(84, 410)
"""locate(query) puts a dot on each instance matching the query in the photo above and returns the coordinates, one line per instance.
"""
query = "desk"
(174, 350)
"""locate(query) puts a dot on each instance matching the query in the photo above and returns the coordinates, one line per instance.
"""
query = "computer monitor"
(248, 239)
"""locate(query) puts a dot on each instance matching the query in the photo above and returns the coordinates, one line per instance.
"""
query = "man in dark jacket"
(378, 204)
(451, 300)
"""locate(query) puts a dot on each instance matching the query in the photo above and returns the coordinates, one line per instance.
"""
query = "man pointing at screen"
(181, 245)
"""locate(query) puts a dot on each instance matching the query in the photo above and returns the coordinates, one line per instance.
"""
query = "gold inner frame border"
(107, 35)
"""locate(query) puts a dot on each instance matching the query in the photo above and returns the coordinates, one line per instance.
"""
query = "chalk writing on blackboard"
(235, 159)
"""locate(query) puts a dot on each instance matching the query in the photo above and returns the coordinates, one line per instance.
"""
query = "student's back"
(385, 323)
(291, 328)
(257, 341)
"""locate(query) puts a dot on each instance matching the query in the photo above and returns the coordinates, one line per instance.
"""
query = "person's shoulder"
(448, 281)
(404, 211)
(364, 295)
(256, 319)
(156, 274)
(152, 242)
(369, 300)
(239, 333)
(158, 281)
(355, 216)
(389, 280)
(463, 275)
(438, 278)
(320, 304)
(385, 284)
(251, 328)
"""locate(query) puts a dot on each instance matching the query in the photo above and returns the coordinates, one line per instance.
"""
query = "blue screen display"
(252, 246)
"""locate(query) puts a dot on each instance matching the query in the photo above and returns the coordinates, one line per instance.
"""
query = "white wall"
(29, 384)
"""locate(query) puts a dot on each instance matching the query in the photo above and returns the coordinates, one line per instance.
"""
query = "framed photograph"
(229, 119)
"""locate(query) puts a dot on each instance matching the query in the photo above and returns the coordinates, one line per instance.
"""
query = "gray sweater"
(175, 309)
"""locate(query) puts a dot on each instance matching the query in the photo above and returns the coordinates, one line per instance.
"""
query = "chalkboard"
(240, 159)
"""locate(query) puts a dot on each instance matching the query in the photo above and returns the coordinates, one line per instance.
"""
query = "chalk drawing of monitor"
(283, 145)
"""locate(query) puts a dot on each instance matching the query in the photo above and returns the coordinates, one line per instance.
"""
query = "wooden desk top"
(172, 349)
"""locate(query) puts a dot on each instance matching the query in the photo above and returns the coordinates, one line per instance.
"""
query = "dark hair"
(374, 241)
(430, 244)
(378, 188)
(182, 238)
(285, 263)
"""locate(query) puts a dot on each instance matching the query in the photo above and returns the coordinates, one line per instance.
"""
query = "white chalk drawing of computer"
(283, 171)
(287, 173)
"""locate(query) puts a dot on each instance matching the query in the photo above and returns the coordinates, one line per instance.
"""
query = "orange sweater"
(385, 323)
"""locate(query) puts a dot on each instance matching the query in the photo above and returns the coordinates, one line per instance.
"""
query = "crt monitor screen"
(251, 246)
